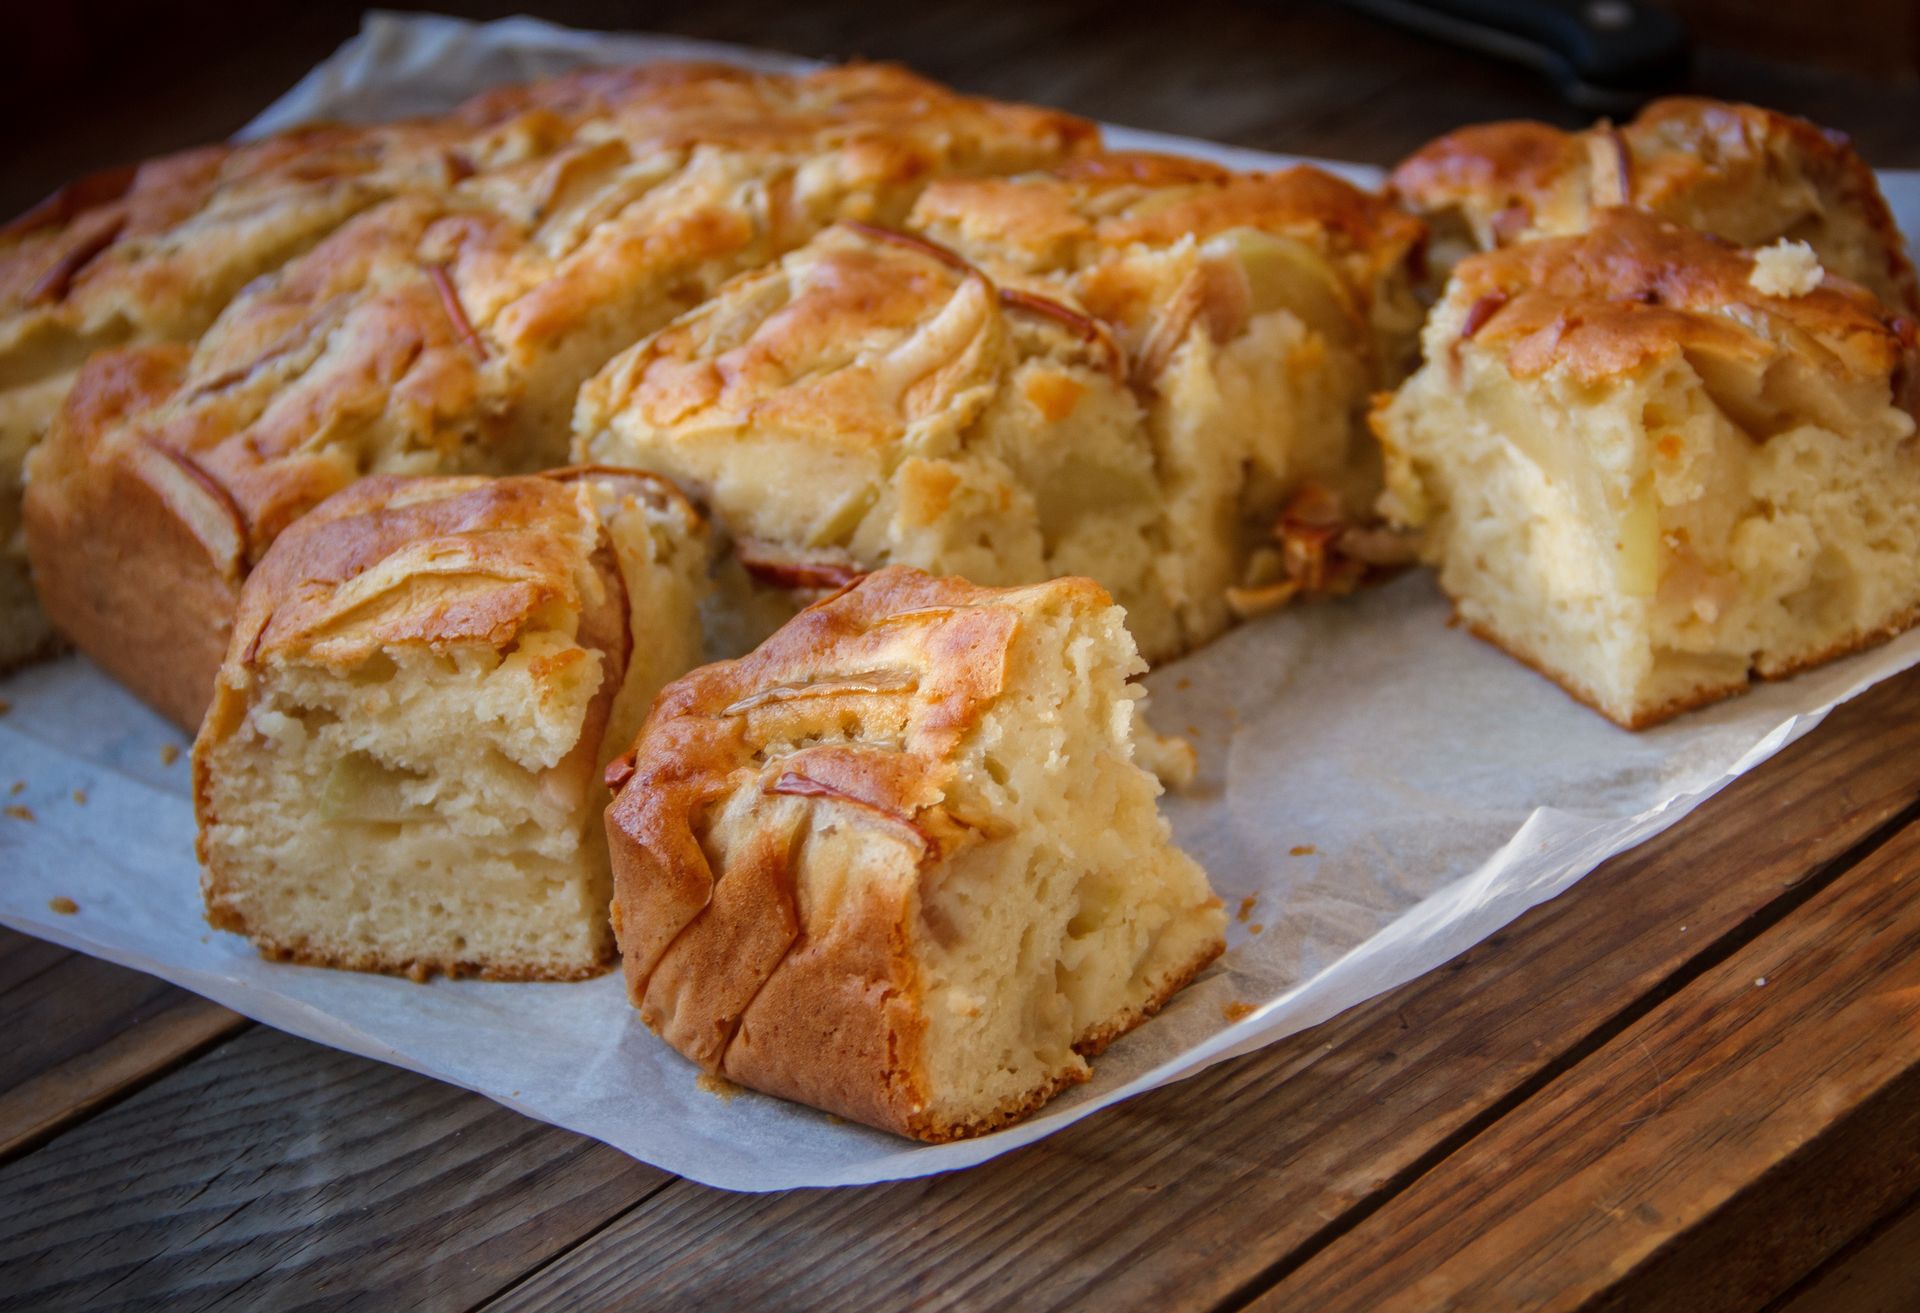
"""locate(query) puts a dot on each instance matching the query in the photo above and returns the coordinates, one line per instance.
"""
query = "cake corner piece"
(400, 771)
(899, 863)
(1653, 470)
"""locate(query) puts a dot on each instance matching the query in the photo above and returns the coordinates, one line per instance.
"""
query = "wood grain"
(23, 957)
(81, 1032)
(1306, 78)
(1233, 1177)
(1705, 1159)
(1878, 1273)
(272, 1173)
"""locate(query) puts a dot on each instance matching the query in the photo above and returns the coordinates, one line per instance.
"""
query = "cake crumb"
(718, 1086)
(20, 813)
(1302, 850)
(63, 905)
(419, 972)
(1237, 1011)
(79, 797)
(169, 753)
(1785, 269)
(1257, 928)
(19, 787)
(1246, 907)
(1183, 683)
(5, 706)
(836, 1119)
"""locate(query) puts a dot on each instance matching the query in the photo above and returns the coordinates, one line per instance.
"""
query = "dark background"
(97, 82)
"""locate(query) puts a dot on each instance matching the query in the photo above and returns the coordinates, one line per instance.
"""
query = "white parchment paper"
(1389, 790)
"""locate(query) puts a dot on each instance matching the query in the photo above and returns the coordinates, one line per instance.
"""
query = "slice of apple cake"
(1133, 368)
(401, 769)
(1656, 467)
(899, 862)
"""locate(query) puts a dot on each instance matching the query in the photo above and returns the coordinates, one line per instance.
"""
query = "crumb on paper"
(1184, 683)
(1302, 850)
(19, 787)
(836, 1119)
(1246, 907)
(79, 797)
(1785, 269)
(1193, 731)
(5, 706)
(20, 813)
(1257, 928)
(169, 753)
(1237, 1011)
(718, 1086)
(63, 905)
(419, 973)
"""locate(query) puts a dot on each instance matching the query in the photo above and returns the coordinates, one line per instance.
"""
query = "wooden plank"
(1878, 1273)
(23, 957)
(1229, 1178)
(271, 1172)
(1706, 1158)
(1304, 78)
(40, 1107)
(81, 1032)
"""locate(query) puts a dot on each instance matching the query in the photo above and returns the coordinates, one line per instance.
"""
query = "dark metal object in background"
(1604, 55)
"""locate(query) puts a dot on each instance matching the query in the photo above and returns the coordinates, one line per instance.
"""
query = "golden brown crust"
(1738, 171)
(715, 959)
(812, 346)
(1492, 165)
(1099, 204)
(1149, 246)
(1641, 720)
(1685, 149)
(445, 330)
(419, 970)
(311, 176)
(501, 550)
(1634, 288)
(95, 237)
(147, 508)
(434, 562)
(128, 542)
(1648, 717)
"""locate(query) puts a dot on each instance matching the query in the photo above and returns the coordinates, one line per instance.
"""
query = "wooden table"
(1691, 1082)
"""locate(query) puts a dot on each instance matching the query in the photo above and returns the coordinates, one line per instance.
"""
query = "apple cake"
(1656, 467)
(1749, 175)
(401, 768)
(899, 863)
(151, 253)
(448, 332)
(1128, 368)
